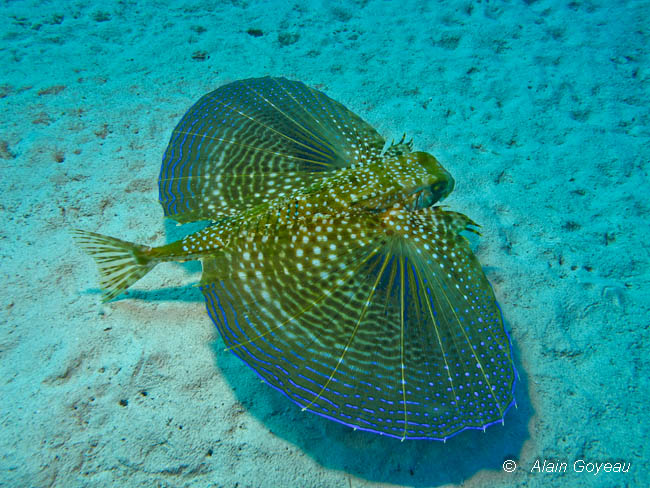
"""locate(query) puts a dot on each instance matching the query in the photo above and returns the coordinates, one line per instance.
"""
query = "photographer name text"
(579, 466)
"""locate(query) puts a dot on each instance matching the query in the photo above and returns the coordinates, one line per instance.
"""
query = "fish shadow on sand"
(185, 293)
(376, 458)
(362, 454)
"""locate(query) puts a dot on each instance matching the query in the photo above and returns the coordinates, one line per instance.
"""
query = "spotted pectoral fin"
(454, 291)
(252, 140)
(370, 330)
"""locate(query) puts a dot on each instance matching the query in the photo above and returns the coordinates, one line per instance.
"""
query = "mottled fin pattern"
(120, 263)
(255, 140)
(394, 332)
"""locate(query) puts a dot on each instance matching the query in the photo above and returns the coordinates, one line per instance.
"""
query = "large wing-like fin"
(254, 140)
(398, 335)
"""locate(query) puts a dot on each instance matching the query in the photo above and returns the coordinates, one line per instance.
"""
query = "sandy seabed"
(538, 108)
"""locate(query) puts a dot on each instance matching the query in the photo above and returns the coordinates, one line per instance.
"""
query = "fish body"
(365, 194)
(328, 267)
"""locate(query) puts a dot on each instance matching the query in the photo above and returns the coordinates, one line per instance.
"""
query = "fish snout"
(437, 182)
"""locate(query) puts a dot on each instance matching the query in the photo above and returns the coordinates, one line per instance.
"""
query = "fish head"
(413, 181)
(425, 180)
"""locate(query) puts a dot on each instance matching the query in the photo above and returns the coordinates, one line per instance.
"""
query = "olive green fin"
(120, 263)
(254, 140)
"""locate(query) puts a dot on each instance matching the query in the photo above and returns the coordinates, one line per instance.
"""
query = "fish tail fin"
(120, 263)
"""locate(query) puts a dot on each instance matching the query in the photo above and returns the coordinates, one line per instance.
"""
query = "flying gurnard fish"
(328, 267)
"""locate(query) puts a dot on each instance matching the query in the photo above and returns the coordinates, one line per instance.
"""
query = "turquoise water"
(537, 108)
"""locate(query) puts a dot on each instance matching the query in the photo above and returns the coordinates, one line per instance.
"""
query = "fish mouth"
(420, 199)
(427, 196)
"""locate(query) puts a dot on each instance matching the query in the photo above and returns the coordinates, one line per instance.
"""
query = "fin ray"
(120, 263)
(375, 334)
(286, 134)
